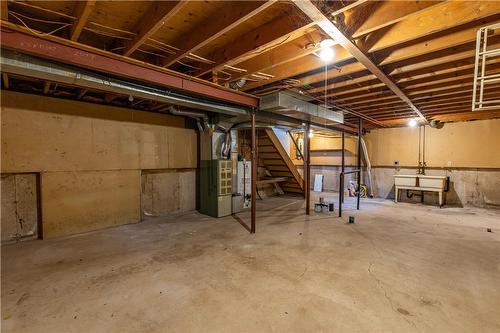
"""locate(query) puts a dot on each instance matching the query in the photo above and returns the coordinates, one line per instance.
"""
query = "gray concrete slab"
(398, 268)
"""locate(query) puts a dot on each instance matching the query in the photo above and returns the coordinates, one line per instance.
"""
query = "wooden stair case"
(276, 160)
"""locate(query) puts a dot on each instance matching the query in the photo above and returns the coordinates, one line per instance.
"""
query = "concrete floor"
(399, 268)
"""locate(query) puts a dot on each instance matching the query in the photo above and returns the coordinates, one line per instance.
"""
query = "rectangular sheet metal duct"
(291, 105)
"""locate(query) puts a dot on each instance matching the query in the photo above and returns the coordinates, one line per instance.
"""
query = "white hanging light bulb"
(326, 53)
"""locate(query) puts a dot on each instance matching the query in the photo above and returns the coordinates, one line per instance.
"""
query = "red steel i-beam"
(62, 50)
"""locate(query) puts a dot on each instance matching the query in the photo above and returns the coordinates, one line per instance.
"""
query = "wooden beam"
(443, 95)
(344, 9)
(307, 63)
(462, 98)
(447, 61)
(259, 40)
(388, 13)
(366, 79)
(434, 43)
(429, 91)
(388, 55)
(371, 101)
(441, 80)
(154, 18)
(384, 92)
(428, 82)
(430, 75)
(317, 16)
(467, 116)
(357, 90)
(82, 13)
(291, 50)
(420, 76)
(5, 10)
(209, 31)
(382, 106)
(5, 79)
(46, 87)
(386, 104)
(438, 18)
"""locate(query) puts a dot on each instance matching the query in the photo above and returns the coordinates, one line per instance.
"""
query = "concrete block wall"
(467, 152)
(91, 159)
(468, 187)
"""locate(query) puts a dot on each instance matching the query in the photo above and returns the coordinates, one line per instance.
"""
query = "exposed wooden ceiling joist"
(5, 80)
(255, 42)
(5, 10)
(426, 48)
(387, 13)
(350, 6)
(82, 13)
(440, 17)
(210, 31)
(294, 49)
(404, 79)
(422, 47)
(317, 16)
(153, 19)
(361, 80)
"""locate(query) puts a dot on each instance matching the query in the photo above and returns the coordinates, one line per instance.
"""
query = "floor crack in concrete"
(381, 287)
(304, 272)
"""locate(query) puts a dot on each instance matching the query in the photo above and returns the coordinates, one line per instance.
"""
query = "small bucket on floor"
(318, 208)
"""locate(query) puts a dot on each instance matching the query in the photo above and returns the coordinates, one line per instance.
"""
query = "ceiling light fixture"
(326, 54)
(326, 43)
(412, 122)
(311, 134)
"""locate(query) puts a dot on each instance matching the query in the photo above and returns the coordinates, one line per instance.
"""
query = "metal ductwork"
(294, 106)
(191, 114)
(238, 84)
(25, 65)
(200, 117)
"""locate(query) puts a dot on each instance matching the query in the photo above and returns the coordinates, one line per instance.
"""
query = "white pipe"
(368, 168)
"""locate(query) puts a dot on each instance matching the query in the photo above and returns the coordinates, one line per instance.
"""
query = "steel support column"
(341, 179)
(254, 173)
(358, 161)
(307, 168)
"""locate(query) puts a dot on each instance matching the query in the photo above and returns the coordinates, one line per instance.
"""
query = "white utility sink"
(437, 182)
(420, 183)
